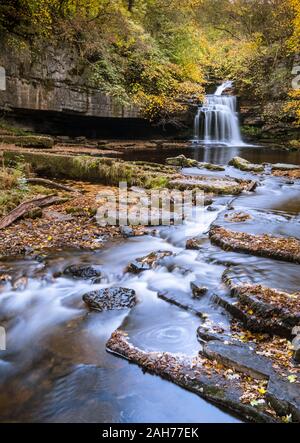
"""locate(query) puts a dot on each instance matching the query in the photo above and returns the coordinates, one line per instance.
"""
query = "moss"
(294, 145)
(8, 129)
(251, 131)
(28, 141)
(158, 182)
(94, 169)
(244, 165)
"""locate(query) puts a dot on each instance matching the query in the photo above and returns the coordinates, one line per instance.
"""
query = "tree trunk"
(25, 207)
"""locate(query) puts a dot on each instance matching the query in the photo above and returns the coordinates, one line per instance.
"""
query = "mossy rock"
(181, 161)
(107, 171)
(245, 165)
(28, 141)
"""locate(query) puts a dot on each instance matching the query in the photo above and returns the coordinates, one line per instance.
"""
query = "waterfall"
(217, 121)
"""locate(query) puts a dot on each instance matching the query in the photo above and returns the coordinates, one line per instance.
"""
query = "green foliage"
(159, 53)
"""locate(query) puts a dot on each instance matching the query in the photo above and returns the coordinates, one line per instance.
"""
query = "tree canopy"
(161, 53)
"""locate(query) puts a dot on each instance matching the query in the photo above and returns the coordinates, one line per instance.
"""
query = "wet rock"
(190, 373)
(284, 397)
(212, 208)
(284, 167)
(245, 165)
(110, 298)
(182, 161)
(210, 166)
(213, 185)
(128, 231)
(214, 333)
(280, 248)
(279, 307)
(148, 262)
(83, 272)
(237, 217)
(251, 320)
(296, 343)
(197, 289)
(239, 357)
(20, 283)
(183, 301)
(195, 243)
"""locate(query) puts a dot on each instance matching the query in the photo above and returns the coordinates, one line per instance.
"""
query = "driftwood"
(27, 206)
(51, 184)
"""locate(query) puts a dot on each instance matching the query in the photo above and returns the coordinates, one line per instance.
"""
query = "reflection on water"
(56, 368)
(219, 154)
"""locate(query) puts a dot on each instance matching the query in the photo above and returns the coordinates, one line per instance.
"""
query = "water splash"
(216, 121)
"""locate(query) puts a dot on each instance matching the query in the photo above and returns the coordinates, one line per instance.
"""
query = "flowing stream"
(56, 368)
(216, 121)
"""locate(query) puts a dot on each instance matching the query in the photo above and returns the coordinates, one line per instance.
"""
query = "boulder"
(84, 272)
(148, 262)
(182, 161)
(245, 165)
(110, 298)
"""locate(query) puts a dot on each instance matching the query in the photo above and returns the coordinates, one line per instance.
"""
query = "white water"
(216, 121)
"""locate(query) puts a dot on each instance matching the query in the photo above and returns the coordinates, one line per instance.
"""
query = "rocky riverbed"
(211, 305)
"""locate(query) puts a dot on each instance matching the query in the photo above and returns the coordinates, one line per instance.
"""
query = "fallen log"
(27, 206)
(51, 184)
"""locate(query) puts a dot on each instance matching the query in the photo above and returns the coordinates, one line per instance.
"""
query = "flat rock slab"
(215, 333)
(214, 185)
(240, 358)
(245, 165)
(279, 248)
(183, 300)
(110, 298)
(279, 308)
(252, 321)
(284, 397)
(284, 167)
(191, 374)
(84, 272)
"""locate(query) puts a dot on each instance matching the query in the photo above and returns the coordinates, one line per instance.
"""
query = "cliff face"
(54, 81)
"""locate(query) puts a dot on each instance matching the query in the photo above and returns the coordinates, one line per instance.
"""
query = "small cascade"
(216, 121)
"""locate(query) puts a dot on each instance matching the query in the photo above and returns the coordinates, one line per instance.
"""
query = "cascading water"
(217, 121)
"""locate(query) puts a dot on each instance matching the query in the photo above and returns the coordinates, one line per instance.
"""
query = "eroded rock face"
(110, 298)
(83, 272)
(245, 165)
